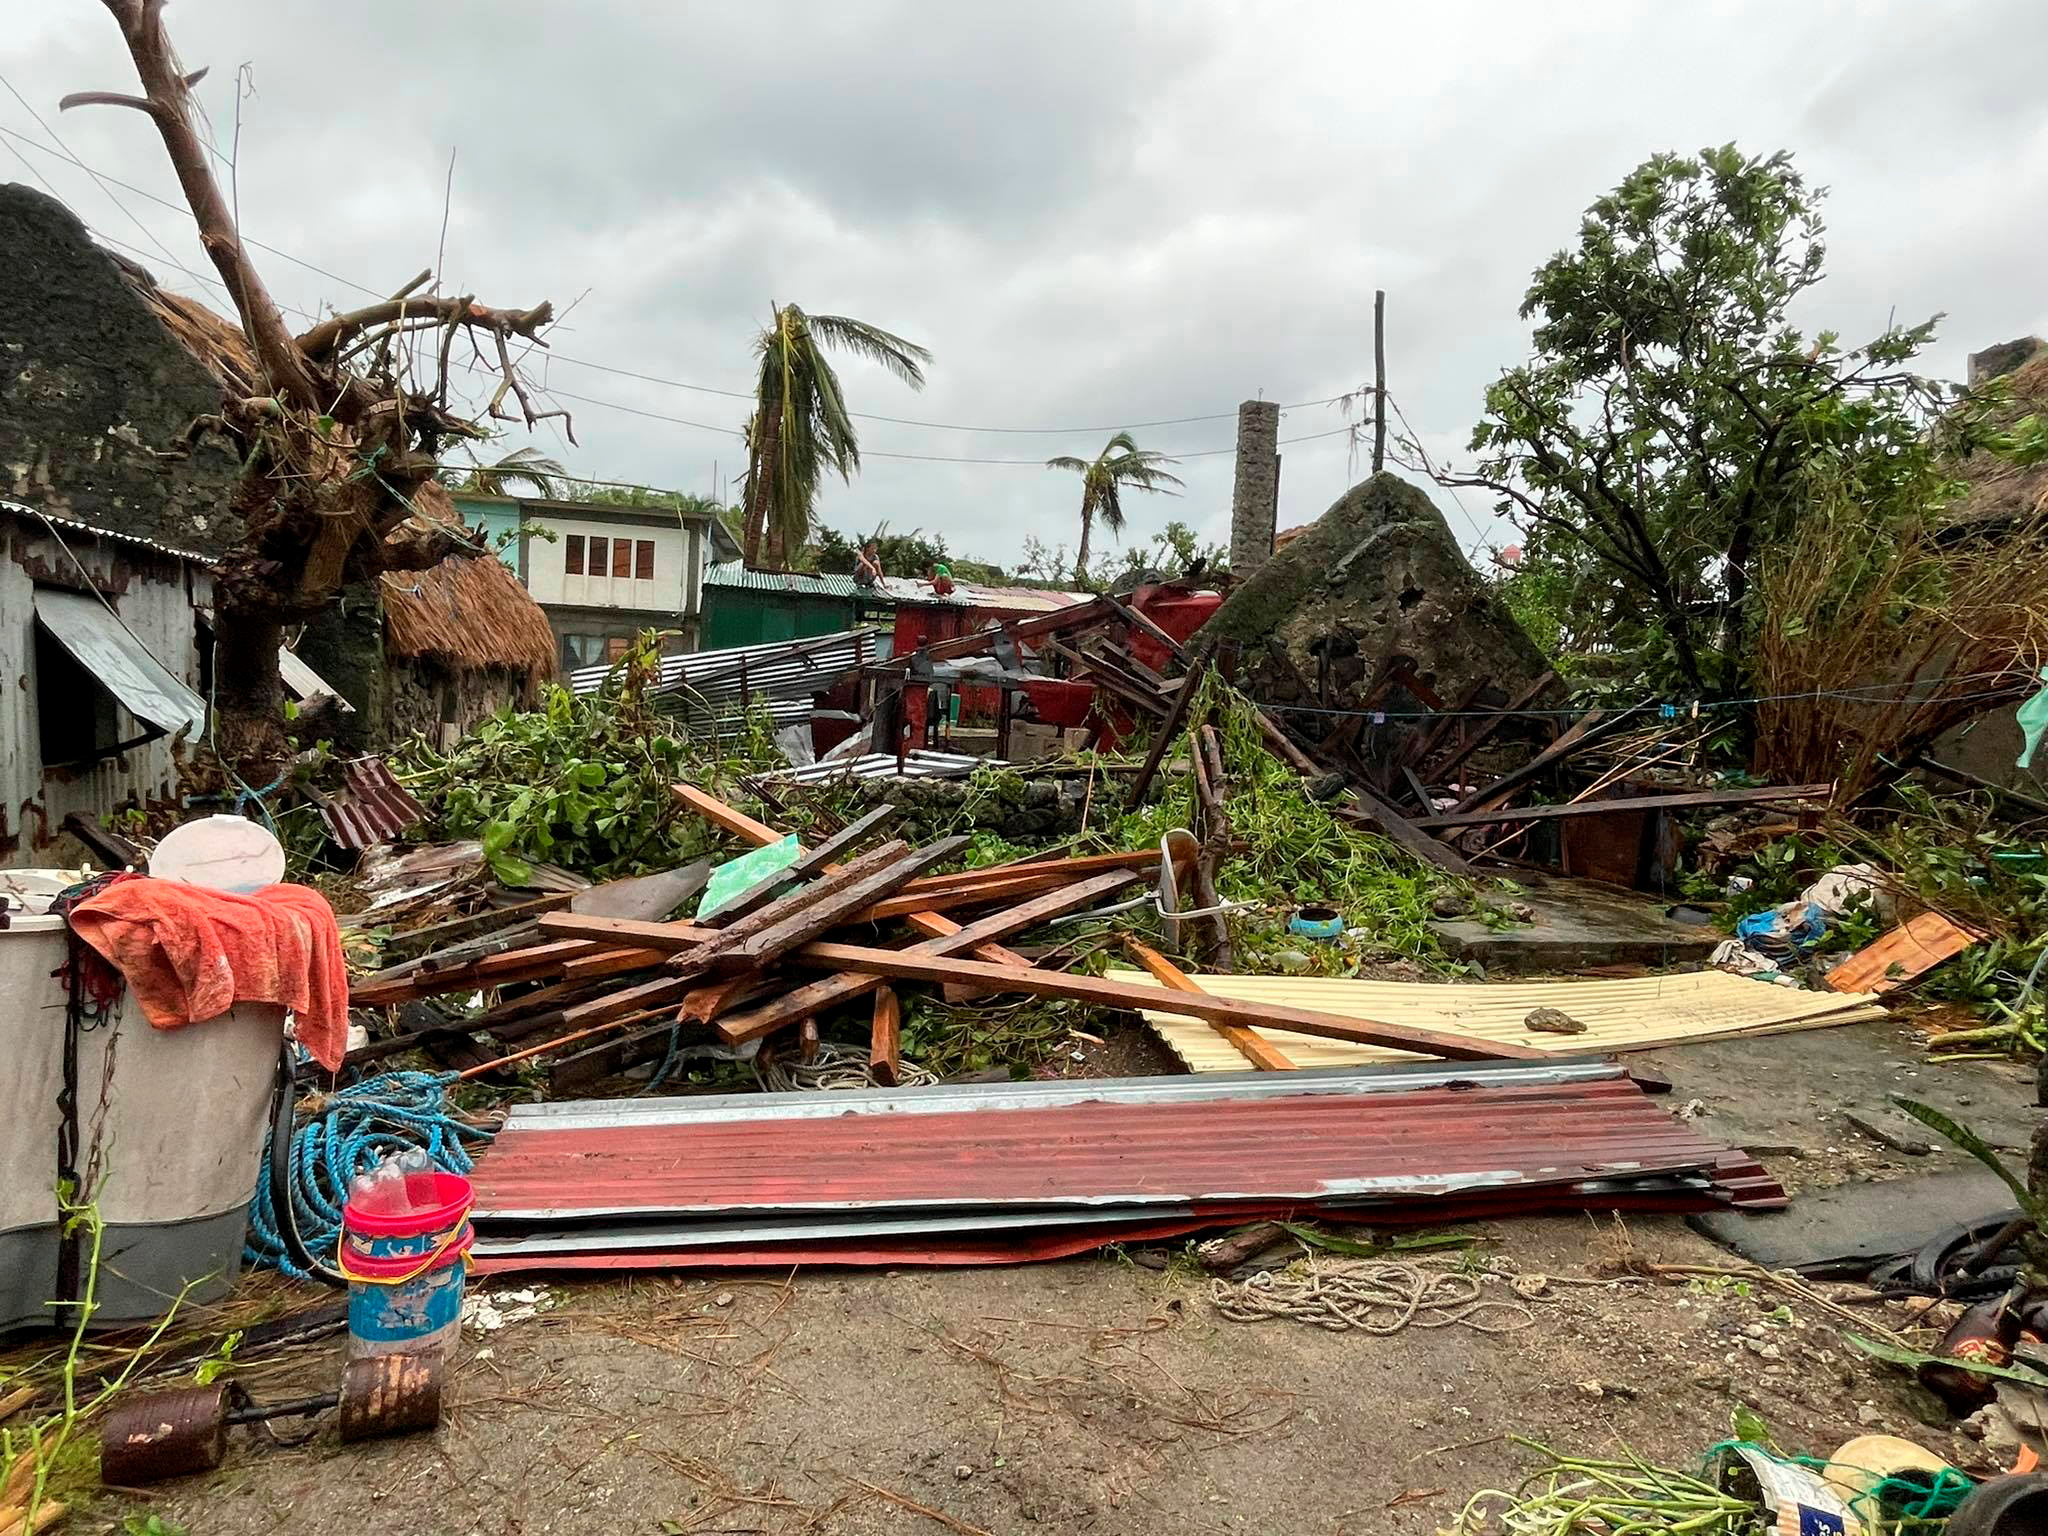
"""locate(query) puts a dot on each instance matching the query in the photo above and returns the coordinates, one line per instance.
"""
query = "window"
(581, 651)
(572, 555)
(599, 555)
(643, 560)
(77, 720)
(622, 558)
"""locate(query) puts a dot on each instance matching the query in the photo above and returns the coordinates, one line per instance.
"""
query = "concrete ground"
(1100, 1395)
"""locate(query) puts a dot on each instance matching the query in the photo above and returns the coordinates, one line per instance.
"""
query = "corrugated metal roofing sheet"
(961, 1171)
(970, 594)
(72, 526)
(372, 808)
(122, 664)
(1629, 1014)
(785, 672)
(734, 575)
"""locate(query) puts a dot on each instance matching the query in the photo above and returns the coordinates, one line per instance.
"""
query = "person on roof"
(867, 566)
(941, 580)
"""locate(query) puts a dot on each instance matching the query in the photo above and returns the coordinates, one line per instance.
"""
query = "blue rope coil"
(349, 1132)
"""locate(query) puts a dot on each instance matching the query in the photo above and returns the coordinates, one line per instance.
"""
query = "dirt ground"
(1109, 1393)
(1091, 1395)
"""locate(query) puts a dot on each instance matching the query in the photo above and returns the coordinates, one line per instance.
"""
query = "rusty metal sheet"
(372, 806)
(951, 1170)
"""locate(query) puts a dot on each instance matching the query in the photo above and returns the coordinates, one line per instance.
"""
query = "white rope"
(837, 1067)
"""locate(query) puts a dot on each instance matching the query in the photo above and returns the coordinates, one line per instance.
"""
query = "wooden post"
(885, 1044)
(1379, 380)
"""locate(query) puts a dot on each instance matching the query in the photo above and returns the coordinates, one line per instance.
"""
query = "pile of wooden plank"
(821, 934)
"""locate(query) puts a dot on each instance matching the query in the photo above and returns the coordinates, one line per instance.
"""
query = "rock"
(1451, 903)
(1521, 912)
(1894, 1131)
(1379, 575)
(1712, 1381)
(723, 1299)
(963, 1472)
(1554, 1021)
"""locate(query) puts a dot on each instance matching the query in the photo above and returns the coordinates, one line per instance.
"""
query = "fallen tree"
(338, 428)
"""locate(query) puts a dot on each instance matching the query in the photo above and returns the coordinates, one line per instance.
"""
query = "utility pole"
(1379, 380)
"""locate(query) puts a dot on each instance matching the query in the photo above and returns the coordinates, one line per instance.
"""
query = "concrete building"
(603, 573)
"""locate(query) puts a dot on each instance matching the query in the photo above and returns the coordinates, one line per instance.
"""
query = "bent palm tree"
(527, 466)
(800, 427)
(1122, 465)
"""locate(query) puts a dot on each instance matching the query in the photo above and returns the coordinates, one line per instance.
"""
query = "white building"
(604, 573)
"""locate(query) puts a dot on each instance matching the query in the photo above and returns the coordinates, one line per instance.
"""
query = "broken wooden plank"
(1493, 722)
(931, 924)
(725, 817)
(1688, 801)
(885, 1039)
(976, 938)
(1909, 951)
(807, 1040)
(1169, 728)
(531, 964)
(808, 866)
(835, 898)
(916, 965)
(1407, 833)
(1250, 1044)
(1594, 725)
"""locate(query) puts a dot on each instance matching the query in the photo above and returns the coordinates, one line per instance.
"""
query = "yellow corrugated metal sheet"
(1635, 1014)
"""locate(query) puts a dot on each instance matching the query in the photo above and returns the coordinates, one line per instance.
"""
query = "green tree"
(1176, 552)
(1660, 437)
(801, 428)
(1121, 466)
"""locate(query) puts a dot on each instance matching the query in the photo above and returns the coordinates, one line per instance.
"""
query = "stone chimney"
(1255, 496)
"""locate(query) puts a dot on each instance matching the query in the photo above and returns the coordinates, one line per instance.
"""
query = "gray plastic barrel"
(172, 1126)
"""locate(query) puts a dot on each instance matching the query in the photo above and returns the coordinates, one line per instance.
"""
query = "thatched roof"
(467, 614)
(463, 613)
(2001, 491)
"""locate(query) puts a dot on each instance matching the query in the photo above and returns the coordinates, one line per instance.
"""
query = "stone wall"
(94, 390)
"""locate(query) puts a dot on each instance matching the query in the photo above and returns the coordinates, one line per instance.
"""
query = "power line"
(667, 383)
(58, 139)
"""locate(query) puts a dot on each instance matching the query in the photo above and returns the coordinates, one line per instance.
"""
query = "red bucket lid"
(452, 1199)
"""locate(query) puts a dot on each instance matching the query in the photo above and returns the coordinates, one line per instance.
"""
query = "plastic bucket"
(405, 1272)
(412, 1235)
(407, 1306)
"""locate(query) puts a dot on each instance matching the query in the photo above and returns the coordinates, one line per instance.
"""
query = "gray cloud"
(1094, 213)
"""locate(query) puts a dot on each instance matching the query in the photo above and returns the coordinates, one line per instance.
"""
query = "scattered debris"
(1554, 1021)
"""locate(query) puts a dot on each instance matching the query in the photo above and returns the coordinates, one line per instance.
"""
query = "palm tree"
(527, 466)
(801, 427)
(1122, 465)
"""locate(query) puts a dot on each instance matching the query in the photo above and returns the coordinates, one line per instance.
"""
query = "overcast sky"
(1095, 214)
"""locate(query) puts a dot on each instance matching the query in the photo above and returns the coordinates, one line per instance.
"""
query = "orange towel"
(191, 954)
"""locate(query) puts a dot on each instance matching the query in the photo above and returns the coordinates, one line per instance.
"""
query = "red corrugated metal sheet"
(372, 807)
(1445, 1149)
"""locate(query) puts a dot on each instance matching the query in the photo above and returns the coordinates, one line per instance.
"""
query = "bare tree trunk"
(248, 699)
(1081, 556)
(761, 484)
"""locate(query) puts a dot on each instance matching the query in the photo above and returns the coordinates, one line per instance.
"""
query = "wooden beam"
(1590, 727)
(977, 938)
(1100, 992)
(807, 1040)
(725, 817)
(530, 964)
(1250, 1044)
(930, 924)
(846, 894)
(885, 1039)
(1169, 728)
(1689, 801)
(1491, 723)
(1405, 831)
